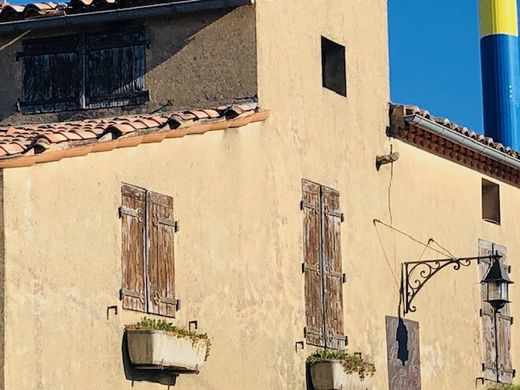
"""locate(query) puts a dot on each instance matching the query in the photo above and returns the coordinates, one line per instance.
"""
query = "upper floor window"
(147, 253)
(490, 201)
(333, 66)
(322, 266)
(84, 71)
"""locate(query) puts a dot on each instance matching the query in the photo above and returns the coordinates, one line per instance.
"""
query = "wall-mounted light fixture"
(415, 274)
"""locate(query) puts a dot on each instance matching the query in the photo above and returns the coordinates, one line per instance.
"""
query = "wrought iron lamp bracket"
(415, 274)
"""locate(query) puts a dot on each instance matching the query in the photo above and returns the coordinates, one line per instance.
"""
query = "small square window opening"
(490, 202)
(333, 65)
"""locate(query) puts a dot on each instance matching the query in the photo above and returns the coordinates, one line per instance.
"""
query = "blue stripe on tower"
(501, 88)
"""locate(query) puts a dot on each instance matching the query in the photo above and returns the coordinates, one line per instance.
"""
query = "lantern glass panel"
(497, 291)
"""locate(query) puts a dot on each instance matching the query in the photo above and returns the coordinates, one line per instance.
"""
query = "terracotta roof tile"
(37, 139)
(12, 12)
(403, 126)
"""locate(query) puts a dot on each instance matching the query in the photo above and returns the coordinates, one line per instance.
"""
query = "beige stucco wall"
(193, 61)
(238, 254)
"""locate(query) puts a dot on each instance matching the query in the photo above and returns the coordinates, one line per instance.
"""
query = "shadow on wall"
(193, 61)
(133, 374)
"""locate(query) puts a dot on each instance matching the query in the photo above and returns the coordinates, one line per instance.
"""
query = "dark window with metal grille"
(322, 266)
(84, 71)
(333, 66)
(148, 267)
(496, 331)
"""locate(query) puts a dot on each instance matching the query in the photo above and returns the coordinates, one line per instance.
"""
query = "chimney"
(500, 70)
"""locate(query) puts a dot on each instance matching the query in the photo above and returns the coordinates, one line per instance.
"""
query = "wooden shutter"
(133, 239)
(161, 267)
(504, 321)
(487, 315)
(51, 74)
(333, 277)
(115, 68)
(312, 259)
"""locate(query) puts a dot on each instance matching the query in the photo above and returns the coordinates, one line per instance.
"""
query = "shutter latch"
(177, 304)
(176, 226)
(344, 278)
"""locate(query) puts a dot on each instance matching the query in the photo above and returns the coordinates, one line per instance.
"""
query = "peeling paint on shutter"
(312, 258)
(488, 325)
(133, 238)
(161, 267)
(504, 322)
(505, 366)
(333, 277)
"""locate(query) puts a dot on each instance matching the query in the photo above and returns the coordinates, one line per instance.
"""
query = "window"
(490, 201)
(83, 71)
(490, 333)
(322, 266)
(333, 66)
(147, 229)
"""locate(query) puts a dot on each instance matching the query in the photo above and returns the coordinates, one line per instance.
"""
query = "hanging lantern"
(497, 281)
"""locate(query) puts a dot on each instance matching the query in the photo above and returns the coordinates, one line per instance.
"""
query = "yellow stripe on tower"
(498, 17)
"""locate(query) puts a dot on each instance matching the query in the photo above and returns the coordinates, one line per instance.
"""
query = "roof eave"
(462, 140)
(139, 12)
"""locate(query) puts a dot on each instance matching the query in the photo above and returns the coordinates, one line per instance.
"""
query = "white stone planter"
(328, 375)
(157, 348)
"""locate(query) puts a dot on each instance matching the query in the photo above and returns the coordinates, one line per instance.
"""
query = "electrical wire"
(14, 40)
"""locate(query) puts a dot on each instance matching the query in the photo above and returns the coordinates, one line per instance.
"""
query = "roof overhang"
(448, 140)
(145, 11)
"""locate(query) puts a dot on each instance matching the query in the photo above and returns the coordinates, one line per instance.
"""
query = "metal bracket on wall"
(415, 274)
(300, 344)
(114, 308)
(481, 379)
(194, 324)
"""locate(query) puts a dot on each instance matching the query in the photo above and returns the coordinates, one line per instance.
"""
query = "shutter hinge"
(512, 320)
(305, 332)
(176, 226)
(342, 217)
(303, 268)
(177, 305)
(301, 205)
(483, 366)
(508, 269)
(514, 373)
(480, 312)
(344, 278)
(346, 341)
(121, 294)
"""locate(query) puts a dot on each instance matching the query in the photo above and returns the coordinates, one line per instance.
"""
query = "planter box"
(328, 375)
(157, 348)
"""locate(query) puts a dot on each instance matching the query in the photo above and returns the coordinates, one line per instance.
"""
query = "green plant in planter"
(152, 324)
(351, 363)
(506, 387)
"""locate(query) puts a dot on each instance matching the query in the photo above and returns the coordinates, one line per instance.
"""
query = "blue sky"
(435, 58)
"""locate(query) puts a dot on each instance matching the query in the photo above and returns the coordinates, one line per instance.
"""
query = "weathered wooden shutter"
(504, 322)
(333, 277)
(161, 267)
(132, 212)
(487, 315)
(115, 68)
(311, 202)
(51, 74)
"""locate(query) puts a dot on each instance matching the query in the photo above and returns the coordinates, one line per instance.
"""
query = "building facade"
(246, 122)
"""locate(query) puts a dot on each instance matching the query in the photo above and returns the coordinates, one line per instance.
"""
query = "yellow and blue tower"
(500, 70)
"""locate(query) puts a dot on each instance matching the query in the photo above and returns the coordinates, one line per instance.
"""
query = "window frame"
(490, 201)
(85, 46)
